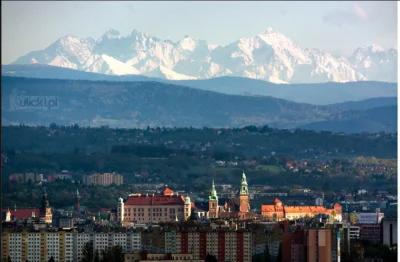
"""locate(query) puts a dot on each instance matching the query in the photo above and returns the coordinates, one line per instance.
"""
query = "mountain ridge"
(149, 103)
(316, 93)
(269, 56)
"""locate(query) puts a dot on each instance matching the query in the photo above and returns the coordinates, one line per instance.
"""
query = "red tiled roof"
(105, 210)
(336, 206)
(167, 192)
(267, 208)
(155, 200)
(22, 213)
(277, 201)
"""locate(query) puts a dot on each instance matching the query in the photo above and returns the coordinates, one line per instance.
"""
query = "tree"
(9, 259)
(118, 253)
(211, 258)
(96, 256)
(279, 257)
(87, 252)
(52, 259)
(353, 218)
(266, 254)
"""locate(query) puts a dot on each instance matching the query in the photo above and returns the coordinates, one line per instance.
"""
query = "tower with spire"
(244, 195)
(213, 202)
(46, 215)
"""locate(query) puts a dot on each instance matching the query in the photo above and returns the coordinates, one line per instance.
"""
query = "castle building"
(165, 207)
(234, 207)
(277, 211)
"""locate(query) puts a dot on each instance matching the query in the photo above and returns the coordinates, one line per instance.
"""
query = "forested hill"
(142, 104)
(250, 141)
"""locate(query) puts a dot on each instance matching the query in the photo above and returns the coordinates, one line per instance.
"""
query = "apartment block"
(354, 232)
(104, 179)
(225, 245)
(63, 246)
(145, 256)
(311, 245)
(371, 232)
(389, 231)
(270, 233)
(26, 177)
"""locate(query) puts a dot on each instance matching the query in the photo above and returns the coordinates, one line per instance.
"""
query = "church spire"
(243, 188)
(213, 192)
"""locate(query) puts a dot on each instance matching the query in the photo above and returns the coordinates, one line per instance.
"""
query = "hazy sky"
(338, 27)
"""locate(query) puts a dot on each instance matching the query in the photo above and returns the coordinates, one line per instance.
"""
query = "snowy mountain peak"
(68, 39)
(112, 34)
(188, 43)
(269, 30)
(269, 56)
(376, 48)
(274, 38)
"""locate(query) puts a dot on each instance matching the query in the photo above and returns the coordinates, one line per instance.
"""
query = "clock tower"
(244, 196)
(213, 202)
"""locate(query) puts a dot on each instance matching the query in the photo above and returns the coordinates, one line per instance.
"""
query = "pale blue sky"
(338, 27)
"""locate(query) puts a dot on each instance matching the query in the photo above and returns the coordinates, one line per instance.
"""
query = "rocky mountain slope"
(269, 56)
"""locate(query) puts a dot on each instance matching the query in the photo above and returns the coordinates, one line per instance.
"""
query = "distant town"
(186, 194)
(225, 224)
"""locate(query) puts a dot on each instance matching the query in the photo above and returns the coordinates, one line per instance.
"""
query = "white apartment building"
(63, 246)
(354, 232)
(80, 240)
(52, 242)
(33, 247)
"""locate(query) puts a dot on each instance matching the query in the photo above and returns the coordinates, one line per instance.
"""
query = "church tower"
(244, 196)
(120, 210)
(8, 216)
(213, 202)
(77, 202)
(45, 210)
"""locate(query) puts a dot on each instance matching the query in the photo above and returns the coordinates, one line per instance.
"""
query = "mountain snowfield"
(269, 56)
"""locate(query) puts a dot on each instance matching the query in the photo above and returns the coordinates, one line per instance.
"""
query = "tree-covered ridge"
(249, 141)
(141, 104)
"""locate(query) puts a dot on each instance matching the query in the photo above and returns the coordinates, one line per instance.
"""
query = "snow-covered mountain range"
(269, 56)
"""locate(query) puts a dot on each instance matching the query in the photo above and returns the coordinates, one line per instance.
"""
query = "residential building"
(26, 177)
(311, 244)
(170, 257)
(63, 246)
(104, 179)
(354, 232)
(389, 231)
(54, 177)
(371, 233)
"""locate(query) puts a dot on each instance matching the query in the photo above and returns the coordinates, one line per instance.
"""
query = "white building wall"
(15, 246)
(79, 242)
(53, 245)
(69, 247)
(33, 247)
